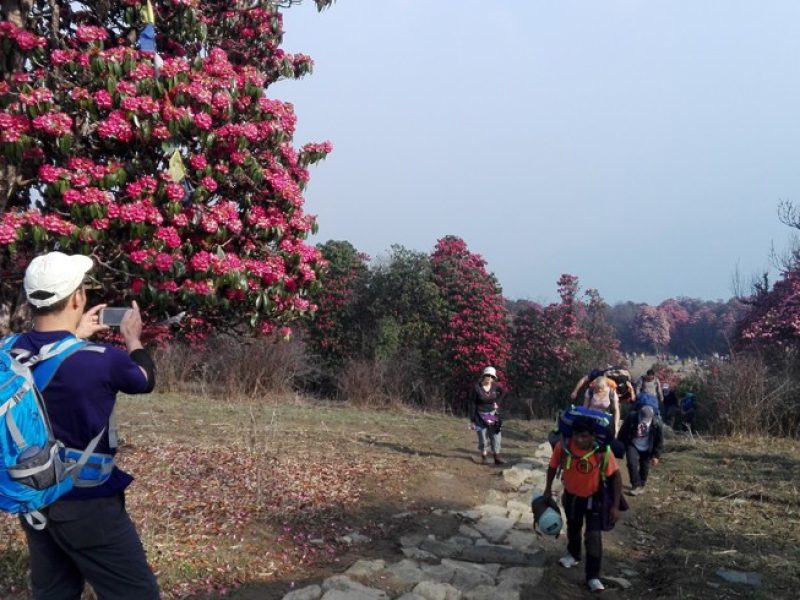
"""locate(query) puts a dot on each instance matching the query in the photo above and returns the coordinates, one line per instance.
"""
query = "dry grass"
(257, 491)
(730, 503)
(254, 493)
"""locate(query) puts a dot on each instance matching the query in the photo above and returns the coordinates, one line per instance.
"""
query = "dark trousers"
(89, 540)
(638, 465)
(670, 412)
(578, 512)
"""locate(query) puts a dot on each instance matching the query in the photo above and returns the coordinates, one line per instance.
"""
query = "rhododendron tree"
(774, 316)
(336, 331)
(174, 169)
(543, 337)
(652, 327)
(476, 332)
(541, 347)
(553, 345)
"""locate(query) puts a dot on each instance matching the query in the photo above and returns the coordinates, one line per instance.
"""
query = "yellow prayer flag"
(148, 14)
(176, 169)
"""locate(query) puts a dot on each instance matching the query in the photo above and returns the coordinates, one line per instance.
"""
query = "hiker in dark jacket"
(484, 413)
(643, 436)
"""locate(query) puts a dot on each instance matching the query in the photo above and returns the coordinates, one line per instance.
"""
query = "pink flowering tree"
(475, 333)
(652, 327)
(774, 315)
(167, 162)
(554, 345)
(543, 338)
(701, 327)
(542, 351)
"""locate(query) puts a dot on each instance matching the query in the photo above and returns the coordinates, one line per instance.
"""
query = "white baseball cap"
(54, 276)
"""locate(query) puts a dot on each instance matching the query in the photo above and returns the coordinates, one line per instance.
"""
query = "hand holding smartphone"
(112, 315)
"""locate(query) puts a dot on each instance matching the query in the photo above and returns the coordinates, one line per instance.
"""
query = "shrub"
(747, 395)
(232, 367)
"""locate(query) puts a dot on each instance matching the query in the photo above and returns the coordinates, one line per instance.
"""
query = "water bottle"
(29, 453)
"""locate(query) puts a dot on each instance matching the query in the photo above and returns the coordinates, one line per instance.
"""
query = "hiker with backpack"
(643, 436)
(592, 490)
(484, 414)
(88, 535)
(585, 381)
(601, 396)
(649, 384)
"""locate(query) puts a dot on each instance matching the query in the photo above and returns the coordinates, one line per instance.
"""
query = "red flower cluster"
(476, 334)
(94, 128)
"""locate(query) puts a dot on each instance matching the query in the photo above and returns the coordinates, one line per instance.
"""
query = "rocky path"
(495, 555)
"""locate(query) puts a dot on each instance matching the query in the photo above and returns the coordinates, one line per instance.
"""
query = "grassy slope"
(254, 495)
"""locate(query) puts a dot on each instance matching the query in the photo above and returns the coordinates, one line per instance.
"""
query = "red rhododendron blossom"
(477, 333)
(91, 133)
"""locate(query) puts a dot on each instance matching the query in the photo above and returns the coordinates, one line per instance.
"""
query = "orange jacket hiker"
(581, 476)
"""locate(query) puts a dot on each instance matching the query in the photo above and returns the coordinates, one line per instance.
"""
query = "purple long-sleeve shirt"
(81, 397)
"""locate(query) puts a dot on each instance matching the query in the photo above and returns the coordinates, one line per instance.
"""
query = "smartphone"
(112, 315)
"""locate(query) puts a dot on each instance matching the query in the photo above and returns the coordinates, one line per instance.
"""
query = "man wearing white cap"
(89, 535)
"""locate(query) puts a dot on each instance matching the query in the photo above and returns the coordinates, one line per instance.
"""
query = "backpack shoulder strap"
(8, 342)
(604, 463)
(45, 364)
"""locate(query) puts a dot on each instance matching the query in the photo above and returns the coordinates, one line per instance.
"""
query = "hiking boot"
(498, 460)
(483, 459)
(595, 585)
(568, 561)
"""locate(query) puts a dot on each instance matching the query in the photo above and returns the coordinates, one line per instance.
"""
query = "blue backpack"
(35, 470)
(603, 424)
(646, 399)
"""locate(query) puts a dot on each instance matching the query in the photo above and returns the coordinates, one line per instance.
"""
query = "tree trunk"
(14, 312)
(16, 11)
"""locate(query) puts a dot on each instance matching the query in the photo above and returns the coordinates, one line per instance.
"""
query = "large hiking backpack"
(618, 375)
(35, 469)
(604, 428)
(646, 399)
(621, 378)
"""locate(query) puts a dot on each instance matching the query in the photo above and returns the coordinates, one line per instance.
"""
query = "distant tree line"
(419, 328)
(685, 327)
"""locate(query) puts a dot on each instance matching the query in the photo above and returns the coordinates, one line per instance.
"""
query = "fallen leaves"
(213, 517)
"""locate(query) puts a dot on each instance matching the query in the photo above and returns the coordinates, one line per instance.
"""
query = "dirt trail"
(487, 550)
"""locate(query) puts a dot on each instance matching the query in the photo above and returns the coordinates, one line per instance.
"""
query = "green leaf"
(169, 147)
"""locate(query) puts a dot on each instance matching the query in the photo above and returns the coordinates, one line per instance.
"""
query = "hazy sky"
(640, 145)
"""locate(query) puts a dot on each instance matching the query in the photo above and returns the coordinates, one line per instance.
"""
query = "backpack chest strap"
(570, 456)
